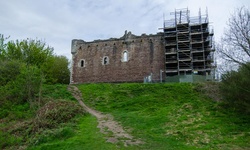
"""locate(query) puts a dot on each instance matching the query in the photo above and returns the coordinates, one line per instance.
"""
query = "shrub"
(56, 112)
(19, 83)
(209, 89)
(9, 70)
(235, 88)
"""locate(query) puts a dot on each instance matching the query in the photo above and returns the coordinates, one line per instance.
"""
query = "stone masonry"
(130, 58)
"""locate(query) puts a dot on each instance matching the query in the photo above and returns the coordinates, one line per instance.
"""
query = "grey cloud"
(58, 22)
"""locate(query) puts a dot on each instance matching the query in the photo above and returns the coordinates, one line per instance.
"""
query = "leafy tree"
(9, 70)
(235, 44)
(235, 87)
(13, 51)
(36, 53)
(24, 66)
(56, 70)
(235, 49)
(2, 45)
(20, 83)
(32, 52)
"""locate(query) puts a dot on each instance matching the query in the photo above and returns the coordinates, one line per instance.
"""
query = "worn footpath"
(106, 122)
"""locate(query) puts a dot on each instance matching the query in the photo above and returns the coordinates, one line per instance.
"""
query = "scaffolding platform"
(188, 44)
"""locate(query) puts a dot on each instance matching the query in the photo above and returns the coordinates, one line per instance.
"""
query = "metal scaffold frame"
(188, 44)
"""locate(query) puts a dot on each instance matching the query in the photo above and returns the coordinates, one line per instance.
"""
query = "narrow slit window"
(82, 63)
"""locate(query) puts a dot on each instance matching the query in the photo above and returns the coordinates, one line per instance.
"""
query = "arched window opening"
(82, 63)
(105, 60)
(125, 56)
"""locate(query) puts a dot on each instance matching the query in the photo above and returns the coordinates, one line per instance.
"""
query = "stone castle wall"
(103, 60)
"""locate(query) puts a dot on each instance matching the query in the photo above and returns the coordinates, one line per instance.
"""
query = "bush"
(9, 70)
(53, 121)
(56, 70)
(18, 83)
(26, 86)
(209, 89)
(54, 113)
(235, 88)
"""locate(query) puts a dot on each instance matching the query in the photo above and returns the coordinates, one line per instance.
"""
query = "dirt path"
(106, 123)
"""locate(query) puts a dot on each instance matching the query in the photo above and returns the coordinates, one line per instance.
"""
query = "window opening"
(125, 56)
(105, 60)
(82, 63)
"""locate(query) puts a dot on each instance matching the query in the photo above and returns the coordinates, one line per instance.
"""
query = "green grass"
(57, 91)
(86, 136)
(170, 116)
(61, 125)
(164, 116)
(56, 119)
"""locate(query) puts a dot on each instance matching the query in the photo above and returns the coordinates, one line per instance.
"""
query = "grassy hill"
(171, 116)
(164, 116)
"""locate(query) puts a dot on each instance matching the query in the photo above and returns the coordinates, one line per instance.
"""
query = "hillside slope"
(170, 116)
(163, 116)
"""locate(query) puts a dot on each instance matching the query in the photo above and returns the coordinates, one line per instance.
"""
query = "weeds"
(55, 119)
(54, 113)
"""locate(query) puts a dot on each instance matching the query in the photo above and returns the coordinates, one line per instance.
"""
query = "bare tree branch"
(235, 44)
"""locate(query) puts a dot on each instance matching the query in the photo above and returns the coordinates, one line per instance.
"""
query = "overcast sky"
(57, 22)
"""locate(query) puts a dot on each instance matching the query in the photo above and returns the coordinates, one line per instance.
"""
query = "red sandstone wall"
(145, 54)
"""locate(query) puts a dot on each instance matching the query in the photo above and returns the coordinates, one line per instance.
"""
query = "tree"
(13, 51)
(31, 52)
(2, 45)
(235, 44)
(9, 70)
(19, 82)
(235, 49)
(34, 53)
(56, 70)
(235, 88)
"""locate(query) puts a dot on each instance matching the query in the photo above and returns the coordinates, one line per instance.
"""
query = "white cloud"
(58, 22)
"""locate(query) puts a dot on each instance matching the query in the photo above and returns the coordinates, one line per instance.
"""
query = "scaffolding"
(188, 45)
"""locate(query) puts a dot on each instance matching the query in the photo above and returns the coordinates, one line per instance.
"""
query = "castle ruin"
(182, 52)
